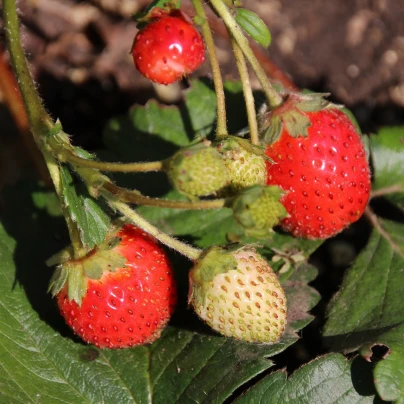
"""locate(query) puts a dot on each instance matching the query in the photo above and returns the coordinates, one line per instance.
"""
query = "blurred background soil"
(79, 52)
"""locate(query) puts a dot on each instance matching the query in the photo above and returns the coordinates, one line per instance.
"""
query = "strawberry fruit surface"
(168, 48)
(325, 175)
(238, 295)
(128, 305)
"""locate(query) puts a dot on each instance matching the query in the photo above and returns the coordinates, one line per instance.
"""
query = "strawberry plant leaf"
(387, 154)
(254, 26)
(370, 299)
(388, 374)
(92, 221)
(330, 379)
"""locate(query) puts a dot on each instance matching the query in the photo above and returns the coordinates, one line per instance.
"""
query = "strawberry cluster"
(306, 171)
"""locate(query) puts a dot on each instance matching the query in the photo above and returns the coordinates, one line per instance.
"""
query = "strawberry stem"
(247, 90)
(129, 196)
(221, 128)
(40, 121)
(273, 98)
(171, 242)
(69, 157)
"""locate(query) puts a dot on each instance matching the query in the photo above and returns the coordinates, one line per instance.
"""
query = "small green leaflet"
(254, 26)
(91, 220)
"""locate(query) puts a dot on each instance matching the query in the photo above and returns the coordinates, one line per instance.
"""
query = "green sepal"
(291, 115)
(76, 283)
(313, 102)
(101, 261)
(84, 154)
(58, 279)
(258, 209)
(155, 8)
(56, 129)
(61, 256)
(296, 123)
(254, 26)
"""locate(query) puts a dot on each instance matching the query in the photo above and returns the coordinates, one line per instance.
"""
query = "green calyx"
(197, 170)
(245, 164)
(216, 260)
(75, 272)
(291, 116)
(258, 209)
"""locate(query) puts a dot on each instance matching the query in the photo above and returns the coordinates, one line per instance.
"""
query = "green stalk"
(69, 157)
(273, 98)
(247, 91)
(126, 195)
(39, 120)
(221, 129)
(190, 252)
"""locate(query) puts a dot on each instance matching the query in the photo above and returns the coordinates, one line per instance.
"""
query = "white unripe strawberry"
(237, 294)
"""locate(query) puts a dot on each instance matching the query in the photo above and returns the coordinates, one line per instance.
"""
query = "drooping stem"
(273, 98)
(221, 129)
(69, 157)
(247, 90)
(126, 195)
(171, 242)
(39, 120)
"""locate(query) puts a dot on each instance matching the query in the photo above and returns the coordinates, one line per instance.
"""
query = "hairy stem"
(126, 195)
(221, 129)
(39, 120)
(171, 242)
(273, 98)
(69, 157)
(247, 91)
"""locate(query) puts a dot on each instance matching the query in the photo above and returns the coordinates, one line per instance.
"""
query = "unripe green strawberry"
(245, 164)
(237, 293)
(197, 170)
(257, 209)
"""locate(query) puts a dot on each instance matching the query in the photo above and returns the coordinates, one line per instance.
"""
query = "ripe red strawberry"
(122, 294)
(168, 48)
(326, 173)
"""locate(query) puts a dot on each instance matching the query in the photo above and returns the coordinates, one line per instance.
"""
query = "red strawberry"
(326, 173)
(168, 48)
(122, 294)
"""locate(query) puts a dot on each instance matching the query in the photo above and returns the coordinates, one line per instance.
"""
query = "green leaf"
(254, 26)
(327, 380)
(370, 299)
(91, 220)
(388, 373)
(387, 155)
